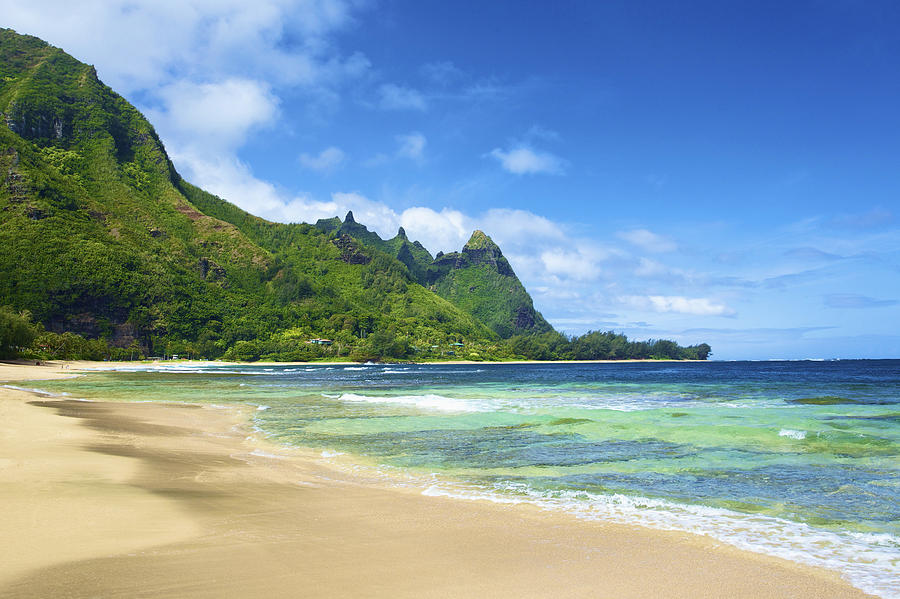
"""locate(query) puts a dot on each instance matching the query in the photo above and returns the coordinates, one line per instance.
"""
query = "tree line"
(20, 337)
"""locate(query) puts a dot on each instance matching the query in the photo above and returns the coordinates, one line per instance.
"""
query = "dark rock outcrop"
(351, 253)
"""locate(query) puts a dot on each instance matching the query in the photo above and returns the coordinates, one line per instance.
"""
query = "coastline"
(76, 365)
(173, 500)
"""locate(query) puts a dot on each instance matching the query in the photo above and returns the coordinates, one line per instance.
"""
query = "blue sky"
(726, 172)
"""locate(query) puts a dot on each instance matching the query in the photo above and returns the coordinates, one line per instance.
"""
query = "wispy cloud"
(523, 160)
(325, 161)
(810, 254)
(871, 219)
(792, 279)
(408, 146)
(648, 240)
(756, 335)
(699, 306)
(442, 73)
(856, 301)
(396, 97)
(412, 146)
(538, 132)
(203, 40)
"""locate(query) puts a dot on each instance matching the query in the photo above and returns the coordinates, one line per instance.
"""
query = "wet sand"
(154, 500)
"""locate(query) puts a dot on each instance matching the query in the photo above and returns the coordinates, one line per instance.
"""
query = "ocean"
(799, 459)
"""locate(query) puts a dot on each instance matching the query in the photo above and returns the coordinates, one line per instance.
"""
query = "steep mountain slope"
(480, 280)
(412, 254)
(99, 235)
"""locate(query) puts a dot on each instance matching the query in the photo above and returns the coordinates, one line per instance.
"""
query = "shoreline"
(196, 505)
(76, 365)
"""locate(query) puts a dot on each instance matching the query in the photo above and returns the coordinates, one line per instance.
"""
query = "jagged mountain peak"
(349, 218)
(480, 241)
(481, 280)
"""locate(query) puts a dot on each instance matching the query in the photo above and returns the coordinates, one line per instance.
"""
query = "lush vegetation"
(21, 338)
(108, 253)
(102, 238)
(16, 332)
(596, 345)
(481, 281)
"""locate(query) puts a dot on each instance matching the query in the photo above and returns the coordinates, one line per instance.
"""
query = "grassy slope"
(413, 254)
(480, 280)
(100, 235)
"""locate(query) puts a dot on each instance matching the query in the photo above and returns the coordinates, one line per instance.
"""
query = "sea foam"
(786, 432)
(427, 401)
(36, 390)
(868, 561)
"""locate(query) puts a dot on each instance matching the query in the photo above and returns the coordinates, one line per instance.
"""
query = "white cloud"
(648, 241)
(522, 160)
(510, 225)
(444, 230)
(539, 132)
(412, 146)
(650, 268)
(214, 116)
(208, 73)
(442, 72)
(396, 97)
(522, 234)
(325, 161)
(700, 306)
(226, 176)
(140, 44)
(577, 265)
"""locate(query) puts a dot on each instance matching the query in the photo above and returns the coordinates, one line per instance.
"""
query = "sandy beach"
(170, 500)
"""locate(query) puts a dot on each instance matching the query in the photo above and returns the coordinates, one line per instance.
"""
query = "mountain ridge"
(478, 279)
(104, 238)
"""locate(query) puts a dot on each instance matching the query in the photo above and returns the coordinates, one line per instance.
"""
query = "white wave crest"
(786, 432)
(428, 401)
(43, 392)
(870, 562)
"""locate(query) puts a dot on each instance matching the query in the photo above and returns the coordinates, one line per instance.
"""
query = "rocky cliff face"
(479, 250)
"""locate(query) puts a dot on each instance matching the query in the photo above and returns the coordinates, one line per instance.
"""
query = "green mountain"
(412, 254)
(480, 280)
(105, 247)
(102, 237)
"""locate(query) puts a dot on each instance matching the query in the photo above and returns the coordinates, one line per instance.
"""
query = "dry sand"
(152, 500)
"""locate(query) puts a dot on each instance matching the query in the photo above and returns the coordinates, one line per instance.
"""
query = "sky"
(719, 172)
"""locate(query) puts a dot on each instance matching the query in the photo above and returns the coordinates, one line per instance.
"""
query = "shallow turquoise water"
(798, 459)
